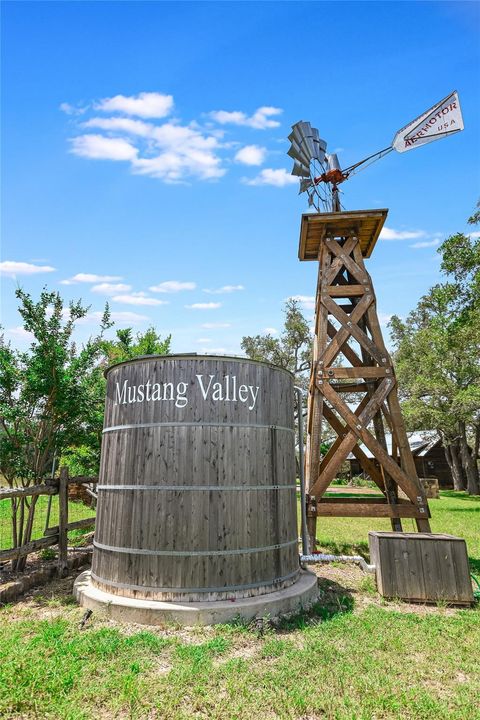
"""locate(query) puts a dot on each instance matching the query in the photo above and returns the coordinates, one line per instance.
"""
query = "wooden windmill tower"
(350, 361)
(352, 384)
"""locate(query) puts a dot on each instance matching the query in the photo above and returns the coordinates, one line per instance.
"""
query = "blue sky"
(144, 153)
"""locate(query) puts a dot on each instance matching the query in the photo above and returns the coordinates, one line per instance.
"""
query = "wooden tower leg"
(315, 405)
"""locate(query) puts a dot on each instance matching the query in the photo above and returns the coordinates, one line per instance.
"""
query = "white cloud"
(474, 235)
(111, 288)
(99, 147)
(145, 104)
(426, 243)
(270, 331)
(121, 317)
(139, 298)
(260, 119)
(170, 151)
(306, 301)
(128, 317)
(133, 127)
(11, 268)
(90, 278)
(215, 326)
(251, 155)
(391, 234)
(71, 109)
(269, 176)
(204, 306)
(204, 340)
(20, 332)
(172, 286)
(223, 290)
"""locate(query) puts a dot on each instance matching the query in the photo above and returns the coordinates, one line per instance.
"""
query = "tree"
(52, 396)
(84, 458)
(47, 397)
(291, 351)
(125, 347)
(438, 359)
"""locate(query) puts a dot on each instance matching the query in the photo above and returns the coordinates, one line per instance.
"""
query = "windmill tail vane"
(320, 173)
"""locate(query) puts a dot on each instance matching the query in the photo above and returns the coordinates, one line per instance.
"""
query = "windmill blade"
(300, 170)
(444, 118)
(308, 139)
(304, 185)
(298, 153)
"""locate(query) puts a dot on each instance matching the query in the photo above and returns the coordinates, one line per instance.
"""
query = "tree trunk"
(469, 463)
(451, 454)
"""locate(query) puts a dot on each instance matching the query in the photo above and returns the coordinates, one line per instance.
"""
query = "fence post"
(62, 522)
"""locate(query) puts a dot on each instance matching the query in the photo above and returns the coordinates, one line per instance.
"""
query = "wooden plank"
(344, 291)
(366, 509)
(62, 522)
(6, 493)
(75, 525)
(33, 546)
(339, 373)
(355, 500)
(349, 387)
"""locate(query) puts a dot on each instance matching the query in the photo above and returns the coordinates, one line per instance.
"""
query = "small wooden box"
(421, 567)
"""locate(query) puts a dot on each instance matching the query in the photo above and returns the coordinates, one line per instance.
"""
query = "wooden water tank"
(196, 495)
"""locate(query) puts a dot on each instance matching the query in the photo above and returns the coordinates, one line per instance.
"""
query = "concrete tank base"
(289, 601)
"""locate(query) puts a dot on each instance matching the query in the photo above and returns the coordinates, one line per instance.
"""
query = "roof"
(420, 443)
(365, 224)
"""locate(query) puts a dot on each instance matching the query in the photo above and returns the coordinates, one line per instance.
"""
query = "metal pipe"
(303, 498)
(322, 557)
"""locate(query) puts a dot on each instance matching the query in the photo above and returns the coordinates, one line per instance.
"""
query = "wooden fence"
(57, 534)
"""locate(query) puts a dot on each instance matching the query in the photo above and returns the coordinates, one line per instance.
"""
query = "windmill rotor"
(314, 166)
(320, 173)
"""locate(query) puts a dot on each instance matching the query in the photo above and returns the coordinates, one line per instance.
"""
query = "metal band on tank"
(195, 424)
(181, 488)
(188, 553)
(225, 588)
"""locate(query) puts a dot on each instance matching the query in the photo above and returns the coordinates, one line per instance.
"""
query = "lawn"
(354, 657)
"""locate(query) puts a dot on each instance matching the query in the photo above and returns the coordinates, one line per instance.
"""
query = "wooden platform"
(366, 225)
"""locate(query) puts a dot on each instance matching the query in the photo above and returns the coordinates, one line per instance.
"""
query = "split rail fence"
(52, 534)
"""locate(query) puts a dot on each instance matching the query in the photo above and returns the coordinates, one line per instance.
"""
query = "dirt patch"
(361, 586)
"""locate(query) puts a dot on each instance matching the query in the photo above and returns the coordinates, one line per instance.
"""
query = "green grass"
(76, 511)
(380, 663)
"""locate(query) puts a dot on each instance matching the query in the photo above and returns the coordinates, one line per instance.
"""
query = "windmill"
(349, 358)
(320, 172)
